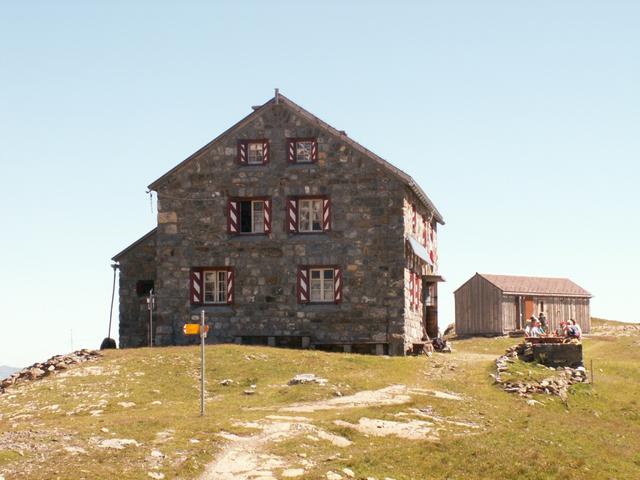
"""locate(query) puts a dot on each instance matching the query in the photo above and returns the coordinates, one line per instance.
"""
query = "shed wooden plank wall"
(478, 306)
(558, 309)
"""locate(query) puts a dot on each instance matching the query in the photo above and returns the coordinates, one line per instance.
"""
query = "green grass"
(597, 435)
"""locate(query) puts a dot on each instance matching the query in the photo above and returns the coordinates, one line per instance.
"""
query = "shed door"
(528, 307)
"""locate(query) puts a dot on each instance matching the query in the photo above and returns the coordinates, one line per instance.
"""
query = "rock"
(35, 373)
(348, 472)
(249, 392)
(156, 475)
(126, 404)
(303, 378)
(293, 472)
(72, 450)
(157, 454)
(333, 475)
(226, 382)
(118, 443)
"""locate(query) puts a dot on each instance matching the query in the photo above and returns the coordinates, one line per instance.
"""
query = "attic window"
(255, 154)
(302, 150)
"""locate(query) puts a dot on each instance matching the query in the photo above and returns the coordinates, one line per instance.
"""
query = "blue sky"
(520, 119)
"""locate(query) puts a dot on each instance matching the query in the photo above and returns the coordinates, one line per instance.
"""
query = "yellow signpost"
(202, 330)
(194, 329)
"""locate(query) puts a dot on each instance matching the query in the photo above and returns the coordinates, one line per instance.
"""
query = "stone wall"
(415, 317)
(136, 264)
(366, 241)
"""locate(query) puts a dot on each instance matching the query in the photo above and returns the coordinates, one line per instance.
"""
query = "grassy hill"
(134, 414)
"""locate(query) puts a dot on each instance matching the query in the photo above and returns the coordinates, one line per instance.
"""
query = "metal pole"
(202, 337)
(113, 294)
(151, 302)
(592, 371)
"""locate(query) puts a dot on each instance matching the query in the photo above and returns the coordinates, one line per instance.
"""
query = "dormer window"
(302, 150)
(253, 152)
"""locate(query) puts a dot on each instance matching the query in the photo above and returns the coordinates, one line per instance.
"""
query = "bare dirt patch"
(244, 457)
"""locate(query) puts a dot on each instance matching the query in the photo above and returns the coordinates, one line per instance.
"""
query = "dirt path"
(245, 457)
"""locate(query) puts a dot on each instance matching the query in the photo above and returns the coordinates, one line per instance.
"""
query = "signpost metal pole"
(203, 334)
(150, 305)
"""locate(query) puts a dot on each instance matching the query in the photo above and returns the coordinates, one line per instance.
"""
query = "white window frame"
(219, 287)
(310, 202)
(251, 144)
(302, 159)
(323, 286)
(259, 218)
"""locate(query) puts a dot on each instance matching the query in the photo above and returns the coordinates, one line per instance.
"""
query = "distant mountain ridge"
(5, 371)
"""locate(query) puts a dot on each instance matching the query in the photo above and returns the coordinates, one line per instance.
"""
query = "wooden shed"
(498, 304)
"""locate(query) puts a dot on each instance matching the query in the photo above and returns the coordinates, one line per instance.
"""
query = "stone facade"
(366, 242)
(137, 276)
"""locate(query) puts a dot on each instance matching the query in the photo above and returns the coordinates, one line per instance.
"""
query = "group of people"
(537, 327)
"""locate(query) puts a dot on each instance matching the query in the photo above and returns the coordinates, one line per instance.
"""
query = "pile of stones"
(557, 384)
(43, 369)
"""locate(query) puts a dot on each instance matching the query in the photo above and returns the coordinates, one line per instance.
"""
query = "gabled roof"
(134, 244)
(281, 99)
(515, 284)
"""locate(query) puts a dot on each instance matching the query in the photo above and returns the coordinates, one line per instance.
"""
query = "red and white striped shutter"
(292, 215)
(433, 252)
(230, 280)
(302, 285)
(411, 289)
(267, 216)
(265, 151)
(242, 152)
(314, 150)
(326, 214)
(291, 151)
(414, 223)
(232, 216)
(424, 232)
(337, 285)
(195, 282)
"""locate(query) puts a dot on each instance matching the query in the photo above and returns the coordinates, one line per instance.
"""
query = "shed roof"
(516, 284)
(282, 100)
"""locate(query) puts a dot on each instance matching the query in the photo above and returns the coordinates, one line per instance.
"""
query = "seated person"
(537, 330)
(575, 329)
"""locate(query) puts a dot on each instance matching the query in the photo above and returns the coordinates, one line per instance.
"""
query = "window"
(144, 287)
(249, 216)
(310, 219)
(431, 298)
(302, 150)
(308, 215)
(215, 286)
(320, 284)
(252, 216)
(253, 152)
(212, 286)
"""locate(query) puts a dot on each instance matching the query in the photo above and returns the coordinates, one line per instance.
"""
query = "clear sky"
(520, 119)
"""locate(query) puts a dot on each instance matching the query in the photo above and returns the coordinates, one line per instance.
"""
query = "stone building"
(286, 232)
